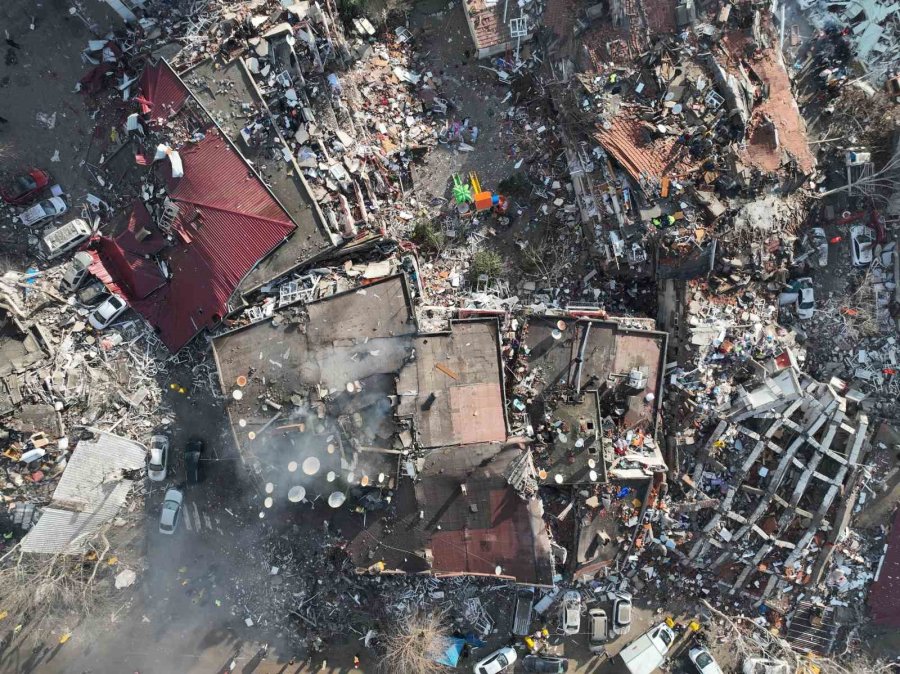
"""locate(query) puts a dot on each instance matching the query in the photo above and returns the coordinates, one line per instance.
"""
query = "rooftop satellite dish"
(296, 494)
(269, 487)
(292, 467)
(310, 465)
(336, 499)
(268, 502)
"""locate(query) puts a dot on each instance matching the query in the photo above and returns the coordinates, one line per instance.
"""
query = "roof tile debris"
(766, 150)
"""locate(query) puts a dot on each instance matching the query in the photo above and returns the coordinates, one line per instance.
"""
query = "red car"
(23, 189)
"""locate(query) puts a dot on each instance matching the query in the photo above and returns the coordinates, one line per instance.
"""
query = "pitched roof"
(227, 222)
(884, 595)
(779, 109)
(89, 494)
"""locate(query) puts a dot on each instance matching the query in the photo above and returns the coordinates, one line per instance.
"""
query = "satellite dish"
(330, 476)
(268, 502)
(292, 467)
(296, 494)
(310, 465)
(556, 334)
(269, 487)
(237, 394)
(336, 499)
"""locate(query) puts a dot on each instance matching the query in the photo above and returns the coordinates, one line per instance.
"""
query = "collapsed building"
(345, 400)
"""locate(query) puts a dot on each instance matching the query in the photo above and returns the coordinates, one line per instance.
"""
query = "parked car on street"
(171, 510)
(192, 452)
(570, 613)
(704, 661)
(862, 244)
(159, 458)
(106, 313)
(599, 630)
(545, 664)
(65, 238)
(621, 614)
(43, 210)
(497, 661)
(24, 188)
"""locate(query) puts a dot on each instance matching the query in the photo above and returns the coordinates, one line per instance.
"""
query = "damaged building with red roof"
(200, 221)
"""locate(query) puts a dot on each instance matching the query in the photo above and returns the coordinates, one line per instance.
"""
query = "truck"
(645, 654)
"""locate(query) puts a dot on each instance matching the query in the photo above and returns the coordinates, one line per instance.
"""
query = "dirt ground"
(36, 80)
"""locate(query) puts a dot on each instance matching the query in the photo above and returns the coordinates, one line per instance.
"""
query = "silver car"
(621, 614)
(42, 210)
(171, 511)
(570, 614)
(159, 458)
(106, 313)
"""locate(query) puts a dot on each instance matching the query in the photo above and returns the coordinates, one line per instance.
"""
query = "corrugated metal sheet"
(228, 222)
(163, 90)
(89, 494)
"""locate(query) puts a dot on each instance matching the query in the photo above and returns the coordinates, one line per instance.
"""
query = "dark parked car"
(535, 663)
(23, 189)
(92, 293)
(192, 459)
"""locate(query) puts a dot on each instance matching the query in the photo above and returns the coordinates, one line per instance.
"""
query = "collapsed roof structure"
(344, 397)
(346, 400)
(94, 486)
(794, 449)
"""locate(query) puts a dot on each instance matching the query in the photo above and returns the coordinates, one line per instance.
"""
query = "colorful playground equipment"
(472, 193)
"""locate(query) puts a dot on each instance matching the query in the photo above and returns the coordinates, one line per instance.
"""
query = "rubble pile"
(647, 359)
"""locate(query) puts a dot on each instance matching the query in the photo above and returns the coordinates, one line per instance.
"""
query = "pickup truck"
(645, 654)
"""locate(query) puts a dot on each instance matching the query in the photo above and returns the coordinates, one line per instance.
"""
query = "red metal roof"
(884, 595)
(228, 221)
(163, 94)
(509, 543)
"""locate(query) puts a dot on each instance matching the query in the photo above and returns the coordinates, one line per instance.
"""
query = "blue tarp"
(451, 654)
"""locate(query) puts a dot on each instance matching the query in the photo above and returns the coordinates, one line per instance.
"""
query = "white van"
(64, 239)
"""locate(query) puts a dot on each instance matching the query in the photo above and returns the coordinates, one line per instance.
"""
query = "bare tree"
(878, 185)
(40, 587)
(414, 643)
(747, 638)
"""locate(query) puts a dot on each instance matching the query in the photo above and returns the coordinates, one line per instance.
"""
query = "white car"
(497, 661)
(703, 661)
(570, 614)
(862, 244)
(806, 298)
(159, 458)
(107, 312)
(765, 666)
(168, 519)
(42, 210)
